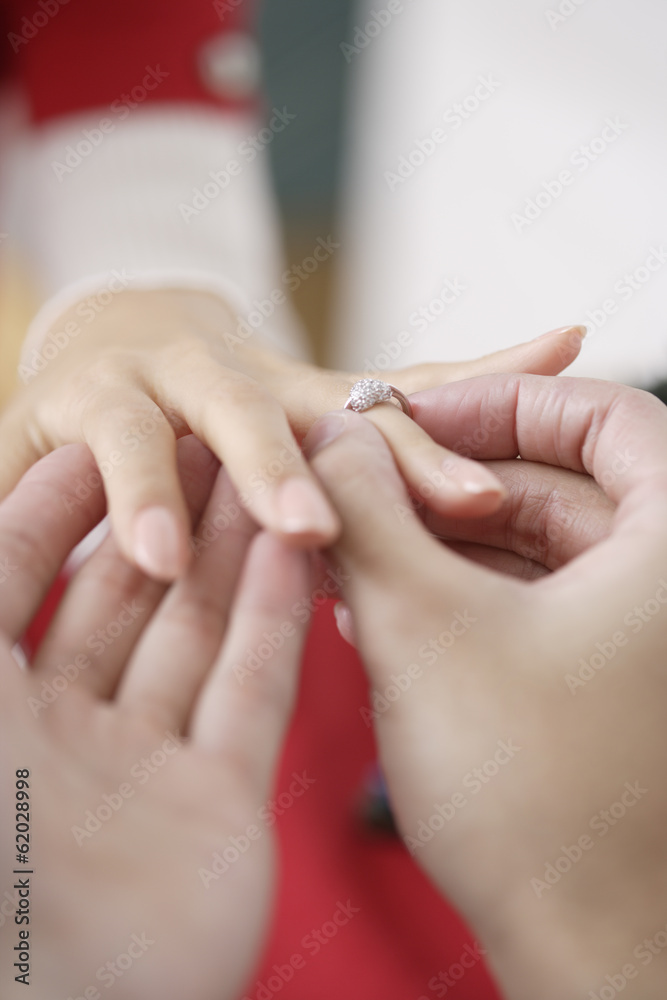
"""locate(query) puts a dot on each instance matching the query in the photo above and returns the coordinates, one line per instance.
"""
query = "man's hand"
(521, 724)
(145, 742)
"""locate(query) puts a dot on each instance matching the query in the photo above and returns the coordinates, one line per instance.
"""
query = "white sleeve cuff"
(44, 341)
(119, 207)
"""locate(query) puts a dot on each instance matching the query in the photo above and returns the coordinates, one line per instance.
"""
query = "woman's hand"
(521, 724)
(144, 746)
(155, 365)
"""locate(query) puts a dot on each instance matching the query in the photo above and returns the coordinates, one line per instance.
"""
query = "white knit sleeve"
(169, 197)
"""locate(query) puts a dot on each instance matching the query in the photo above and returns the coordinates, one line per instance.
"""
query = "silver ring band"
(367, 392)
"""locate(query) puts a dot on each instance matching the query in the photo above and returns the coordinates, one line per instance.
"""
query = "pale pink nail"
(158, 543)
(473, 480)
(578, 331)
(344, 622)
(302, 510)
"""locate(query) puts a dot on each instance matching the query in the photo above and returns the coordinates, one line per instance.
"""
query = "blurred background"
(557, 89)
(303, 70)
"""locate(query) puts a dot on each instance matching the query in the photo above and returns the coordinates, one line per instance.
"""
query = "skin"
(141, 871)
(153, 366)
(173, 671)
(510, 675)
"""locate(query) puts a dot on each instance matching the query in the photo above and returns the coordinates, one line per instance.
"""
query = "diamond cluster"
(367, 392)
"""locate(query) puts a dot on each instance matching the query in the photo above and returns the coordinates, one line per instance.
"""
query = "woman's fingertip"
(475, 488)
(471, 479)
(160, 548)
(344, 624)
(579, 331)
(303, 514)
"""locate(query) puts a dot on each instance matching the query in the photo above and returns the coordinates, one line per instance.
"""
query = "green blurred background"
(304, 69)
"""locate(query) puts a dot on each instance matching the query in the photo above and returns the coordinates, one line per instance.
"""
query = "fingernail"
(477, 489)
(579, 331)
(344, 624)
(475, 481)
(302, 510)
(323, 432)
(158, 545)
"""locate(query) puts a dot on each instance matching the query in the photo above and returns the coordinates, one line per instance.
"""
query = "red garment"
(72, 55)
(85, 54)
(404, 934)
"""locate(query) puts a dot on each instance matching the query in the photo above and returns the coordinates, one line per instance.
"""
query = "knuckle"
(189, 348)
(526, 522)
(112, 414)
(105, 370)
(247, 392)
(91, 397)
(231, 390)
(543, 523)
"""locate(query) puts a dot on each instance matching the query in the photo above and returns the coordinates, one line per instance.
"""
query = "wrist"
(583, 949)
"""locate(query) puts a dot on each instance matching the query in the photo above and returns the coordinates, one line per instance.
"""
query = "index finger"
(41, 521)
(616, 434)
